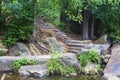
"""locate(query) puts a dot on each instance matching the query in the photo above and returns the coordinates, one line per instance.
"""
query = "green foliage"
(17, 16)
(100, 69)
(83, 59)
(2, 53)
(93, 56)
(15, 34)
(114, 34)
(50, 9)
(109, 13)
(24, 61)
(9, 41)
(16, 65)
(74, 10)
(56, 66)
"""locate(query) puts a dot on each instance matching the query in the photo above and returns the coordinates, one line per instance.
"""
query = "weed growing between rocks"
(2, 53)
(93, 56)
(83, 58)
(56, 66)
(90, 62)
(22, 62)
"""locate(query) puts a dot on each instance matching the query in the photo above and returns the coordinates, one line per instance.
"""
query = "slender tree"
(35, 18)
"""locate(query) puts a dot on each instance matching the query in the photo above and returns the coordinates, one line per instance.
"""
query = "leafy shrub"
(93, 56)
(51, 10)
(17, 21)
(83, 59)
(115, 35)
(15, 34)
(2, 53)
(9, 41)
(56, 66)
(24, 61)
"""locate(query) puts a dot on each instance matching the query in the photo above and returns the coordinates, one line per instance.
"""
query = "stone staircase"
(74, 46)
(77, 46)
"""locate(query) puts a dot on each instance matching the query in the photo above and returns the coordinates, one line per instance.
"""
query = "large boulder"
(55, 45)
(102, 39)
(6, 61)
(103, 49)
(41, 70)
(71, 60)
(34, 70)
(23, 50)
(110, 77)
(91, 68)
(19, 50)
(113, 66)
(13, 51)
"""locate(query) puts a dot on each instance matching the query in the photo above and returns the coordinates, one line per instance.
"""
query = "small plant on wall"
(2, 53)
(22, 62)
(93, 56)
(56, 66)
(83, 58)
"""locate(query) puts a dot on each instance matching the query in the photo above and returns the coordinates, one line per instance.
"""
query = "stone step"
(76, 45)
(34, 70)
(75, 48)
(74, 51)
(79, 42)
(6, 61)
(74, 41)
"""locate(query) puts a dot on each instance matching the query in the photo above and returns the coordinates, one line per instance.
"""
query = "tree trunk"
(35, 18)
(97, 28)
(0, 10)
(85, 25)
(92, 28)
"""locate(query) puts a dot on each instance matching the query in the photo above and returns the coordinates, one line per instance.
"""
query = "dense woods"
(64, 37)
(92, 17)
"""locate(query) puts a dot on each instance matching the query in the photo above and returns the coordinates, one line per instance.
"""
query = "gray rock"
(110, 77)
(13, 51)
(102, 39)
(76, 45)
(113, 66)
(73, 74)
(71, 60)
(74, 51)
(34, 70)
(91, 68)
(6, 61)
(102, 49)
(79, 42)
(105, 58)
(55, 45)
(23, 50)
(19, 50)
